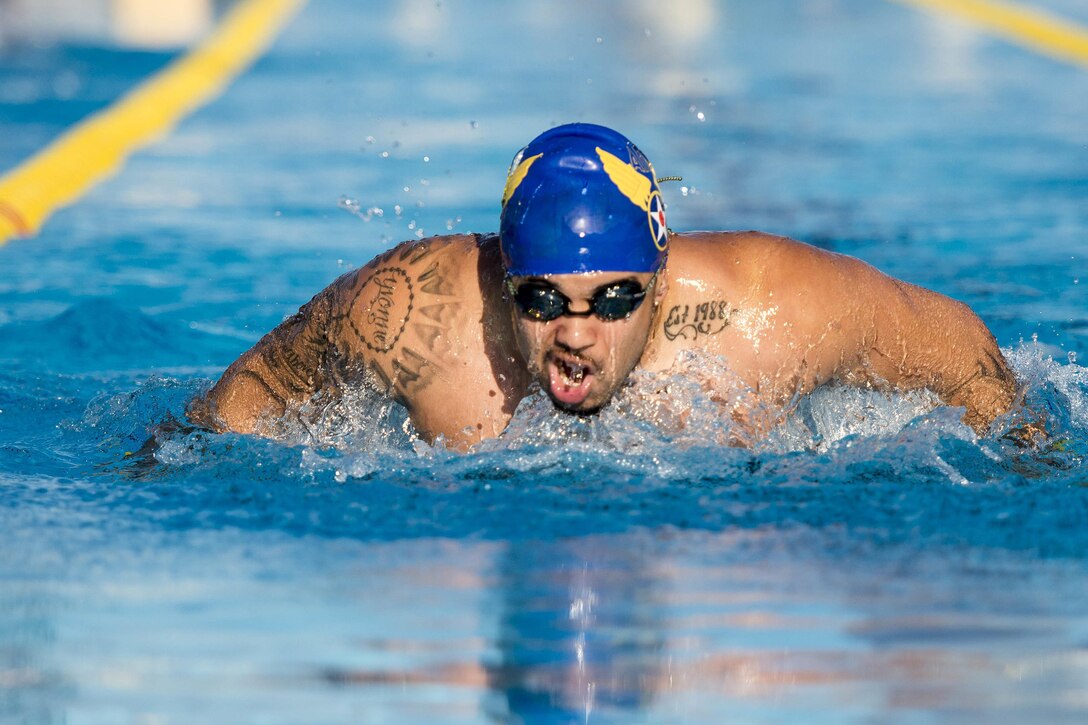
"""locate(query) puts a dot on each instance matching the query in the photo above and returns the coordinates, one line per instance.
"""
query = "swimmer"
(583, 284)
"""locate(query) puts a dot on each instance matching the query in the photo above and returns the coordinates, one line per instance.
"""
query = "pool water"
(872, 561)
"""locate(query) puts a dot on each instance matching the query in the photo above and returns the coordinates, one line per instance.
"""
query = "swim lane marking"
(96, 147)
(1056, 37)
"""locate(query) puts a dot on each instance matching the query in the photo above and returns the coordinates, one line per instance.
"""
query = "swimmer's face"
(581, 361)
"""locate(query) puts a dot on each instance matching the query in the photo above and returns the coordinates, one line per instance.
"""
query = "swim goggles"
(541, 302)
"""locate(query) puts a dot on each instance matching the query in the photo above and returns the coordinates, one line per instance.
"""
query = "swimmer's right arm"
(352, 330)
(284, 369)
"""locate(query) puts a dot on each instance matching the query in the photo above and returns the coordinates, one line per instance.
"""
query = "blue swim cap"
(581, 198)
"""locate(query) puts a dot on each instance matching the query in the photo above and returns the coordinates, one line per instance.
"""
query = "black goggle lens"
(544, 303)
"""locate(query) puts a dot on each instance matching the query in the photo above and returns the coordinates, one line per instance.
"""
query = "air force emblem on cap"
(640, 190)
(658, 229)
(581, 198)
(518, 170)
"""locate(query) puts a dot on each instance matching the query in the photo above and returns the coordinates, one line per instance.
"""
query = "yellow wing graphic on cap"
(516, 176)
(630, 182)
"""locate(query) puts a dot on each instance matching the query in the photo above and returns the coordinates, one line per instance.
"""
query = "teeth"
(573, 373)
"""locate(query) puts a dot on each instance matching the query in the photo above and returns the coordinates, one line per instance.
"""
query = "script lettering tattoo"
(288, 369)
(703, 318)
(383, 304)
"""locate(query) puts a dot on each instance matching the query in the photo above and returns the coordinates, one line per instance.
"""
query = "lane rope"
(1032, 28)
(97, 147)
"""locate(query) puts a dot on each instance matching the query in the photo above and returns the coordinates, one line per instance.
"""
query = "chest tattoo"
(688, 322)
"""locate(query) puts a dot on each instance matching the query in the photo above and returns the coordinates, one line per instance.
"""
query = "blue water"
(874, 561)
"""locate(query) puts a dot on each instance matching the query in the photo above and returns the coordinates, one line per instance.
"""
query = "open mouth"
(569, 379)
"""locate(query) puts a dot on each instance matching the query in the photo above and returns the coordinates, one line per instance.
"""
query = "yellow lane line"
(98, 146)
(1056, 37)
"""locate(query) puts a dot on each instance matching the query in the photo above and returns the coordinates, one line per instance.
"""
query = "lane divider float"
(96, 148)
(1040, 31)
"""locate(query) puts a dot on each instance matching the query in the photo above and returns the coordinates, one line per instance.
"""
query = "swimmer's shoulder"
(740, 258)
(724, 259)
(442, 264)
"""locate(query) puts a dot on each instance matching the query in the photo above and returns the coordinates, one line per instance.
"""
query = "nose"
(576, 333)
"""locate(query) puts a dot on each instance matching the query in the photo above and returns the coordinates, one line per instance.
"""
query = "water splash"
(671, 428)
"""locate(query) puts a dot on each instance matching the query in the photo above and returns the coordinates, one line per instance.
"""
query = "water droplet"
(398, 209)
(473, 125)
(701, 116)
(385, 154)
(599, 40)
(1072, 357)
(426, 159)
(370, 140)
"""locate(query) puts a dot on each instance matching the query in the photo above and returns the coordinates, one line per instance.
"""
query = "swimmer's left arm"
(919, 338)
(859, 325)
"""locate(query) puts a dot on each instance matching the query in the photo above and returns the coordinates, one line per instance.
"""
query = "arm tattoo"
(402, 310)
(434, 281)
(287, 368)
(377, 305)
(412, 372)
(704, 318)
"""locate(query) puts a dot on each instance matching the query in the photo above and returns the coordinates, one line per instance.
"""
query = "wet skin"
(428, 324)
(581, 361)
